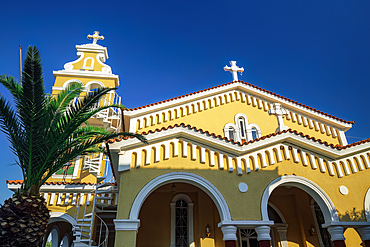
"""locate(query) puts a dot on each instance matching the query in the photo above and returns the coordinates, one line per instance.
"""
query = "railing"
(104, 243)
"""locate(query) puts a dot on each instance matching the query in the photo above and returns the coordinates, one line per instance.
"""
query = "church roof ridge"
(248, 84)
(337, 146)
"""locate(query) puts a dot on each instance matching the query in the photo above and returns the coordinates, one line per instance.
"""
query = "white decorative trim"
(247, 91)
(367, 205)
(88, 85)
(101, 59)
(336, 233)
(183, 177)
(65, 84)
(54, 236)
(263, 233)
(85, 62)
(65, 240)
(243, 187)
(282, 230)
(59, 216)
(246, 223)
(229, 233)
(318, 194)
(189, 220)
(69, 66)
(283, 141)
(277, 210)
(343, 190)
(126, 224)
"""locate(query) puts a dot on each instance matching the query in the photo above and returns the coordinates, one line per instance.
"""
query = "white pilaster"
(263, 233)
(336, 233)
(229, 232)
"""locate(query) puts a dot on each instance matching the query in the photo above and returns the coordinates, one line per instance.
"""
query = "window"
(181, 227)
(254, 133)
(248, 238)
(241, 129)
(231, 133)
(182, 234)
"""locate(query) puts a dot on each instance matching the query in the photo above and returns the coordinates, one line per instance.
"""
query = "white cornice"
(238, 86)
(59, 187)
(206, 140)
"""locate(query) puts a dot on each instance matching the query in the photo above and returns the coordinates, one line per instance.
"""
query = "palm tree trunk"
(23, 221)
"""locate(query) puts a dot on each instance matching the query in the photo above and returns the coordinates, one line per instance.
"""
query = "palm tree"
(45, 132)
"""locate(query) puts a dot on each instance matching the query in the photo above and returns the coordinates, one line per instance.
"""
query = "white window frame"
(190, 219)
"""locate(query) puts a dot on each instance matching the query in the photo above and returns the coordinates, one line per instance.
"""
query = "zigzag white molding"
(143, 120)
(248, 94)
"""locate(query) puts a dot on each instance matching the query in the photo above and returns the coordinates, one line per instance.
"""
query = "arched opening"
(304, 207)
(182, 211)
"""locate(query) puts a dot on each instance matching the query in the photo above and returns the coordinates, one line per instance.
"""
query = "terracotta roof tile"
(248, 84)
(49, 183)
(338, 147)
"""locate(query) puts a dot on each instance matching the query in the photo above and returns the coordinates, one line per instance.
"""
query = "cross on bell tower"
(95, 37)
(234, 69)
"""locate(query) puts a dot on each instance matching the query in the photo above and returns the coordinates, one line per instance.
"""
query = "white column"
(190, 225)
(336, 233)
(281, 230)
(263, 233)
(229, 233)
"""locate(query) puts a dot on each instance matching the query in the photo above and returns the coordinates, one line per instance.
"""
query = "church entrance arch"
(181, 177)
(323, 200)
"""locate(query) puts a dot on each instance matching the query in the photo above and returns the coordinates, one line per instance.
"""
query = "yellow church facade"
(231, 165)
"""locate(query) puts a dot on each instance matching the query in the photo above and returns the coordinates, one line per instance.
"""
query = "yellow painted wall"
(97, 66)
(257, 180)
(155, 217)
(218, 116)
(61, 79)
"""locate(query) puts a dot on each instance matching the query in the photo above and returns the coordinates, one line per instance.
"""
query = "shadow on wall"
(354, 215)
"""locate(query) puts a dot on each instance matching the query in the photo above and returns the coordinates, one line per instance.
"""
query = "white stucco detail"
(59, 216)
(318, 194)
(343, 190)
(184, 177)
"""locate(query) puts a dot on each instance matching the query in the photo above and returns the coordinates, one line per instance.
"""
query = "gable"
(213, 109)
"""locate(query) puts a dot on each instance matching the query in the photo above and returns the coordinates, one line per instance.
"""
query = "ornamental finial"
(95, 37)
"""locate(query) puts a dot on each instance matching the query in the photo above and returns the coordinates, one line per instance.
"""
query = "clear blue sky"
(315, 52)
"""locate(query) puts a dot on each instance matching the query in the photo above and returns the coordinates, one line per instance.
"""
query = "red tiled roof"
(49, 183)
(338, 147)
(248, 84)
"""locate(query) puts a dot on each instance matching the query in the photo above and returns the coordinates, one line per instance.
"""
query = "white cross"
(234, 70)
(279, 112)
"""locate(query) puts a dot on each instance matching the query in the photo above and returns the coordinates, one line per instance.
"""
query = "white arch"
(65, 241)
(185, 196)
(88, 85)
(237, 116)
(367, 205)
(65, 85)
(59, 216)
(318, 194)
(277, 210)
(181, 177)
(54, 237)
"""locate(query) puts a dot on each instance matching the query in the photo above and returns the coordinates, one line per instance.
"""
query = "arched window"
(182, 233)
(242, 125)
(231, 133)
(254, 133)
